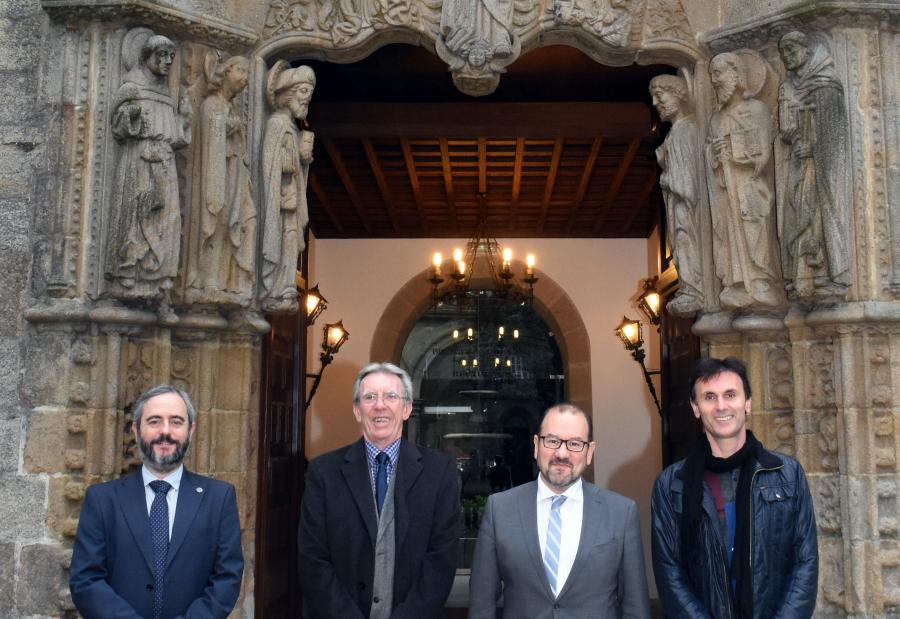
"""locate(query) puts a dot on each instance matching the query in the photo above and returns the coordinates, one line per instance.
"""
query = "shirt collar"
(174, 478)
(391, 450)
(575, 492)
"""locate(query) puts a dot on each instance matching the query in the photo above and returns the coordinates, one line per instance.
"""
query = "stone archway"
(551, 303)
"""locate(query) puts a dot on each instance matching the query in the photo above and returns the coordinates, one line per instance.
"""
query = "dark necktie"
(381, 480)
(159, 534)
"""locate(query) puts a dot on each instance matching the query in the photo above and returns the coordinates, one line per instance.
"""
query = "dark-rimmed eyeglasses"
(572, 444)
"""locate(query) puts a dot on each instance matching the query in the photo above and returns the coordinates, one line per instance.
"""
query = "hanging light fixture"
(481, 269)
(630, 332)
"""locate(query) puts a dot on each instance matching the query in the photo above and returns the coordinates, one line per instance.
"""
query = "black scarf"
(700, 459)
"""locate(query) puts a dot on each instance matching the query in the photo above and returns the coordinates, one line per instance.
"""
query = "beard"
(163, 464)
(559, 480)
(725, 90)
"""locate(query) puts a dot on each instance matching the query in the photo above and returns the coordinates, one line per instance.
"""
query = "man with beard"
(559, 546)
(734, 533)
(163, 542)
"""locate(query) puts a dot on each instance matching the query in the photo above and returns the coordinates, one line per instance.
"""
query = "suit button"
(361, 586)
(376, 599)
(149, 587)
(556, 607)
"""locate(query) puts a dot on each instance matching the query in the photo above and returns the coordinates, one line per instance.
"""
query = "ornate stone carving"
(223, 216)
(612, 24)
(827, 440)
(681, 184)
(144, 233)
(780, 378)
(741, 176)
(477, 40)
(341, 20)
(286, 155)
(666, 20)
(813, 202)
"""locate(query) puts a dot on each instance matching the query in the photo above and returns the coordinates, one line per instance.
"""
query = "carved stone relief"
(612, 23)
(222, 226)
(286, 155)
(814, 194)
(149, 121)
(341, 20)
(740, 179)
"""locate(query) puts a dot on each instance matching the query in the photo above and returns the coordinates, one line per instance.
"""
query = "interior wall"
(359, 278)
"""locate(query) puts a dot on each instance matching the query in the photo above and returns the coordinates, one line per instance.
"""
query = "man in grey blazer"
(559, 547)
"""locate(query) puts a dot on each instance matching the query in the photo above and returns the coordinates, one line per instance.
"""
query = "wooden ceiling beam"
(349, 186)
(471, 120)
(414, 182)
(586, 174)
(616, 184)
(322, 197)
(448, 179)
(517, 180)
(374, 164)
(551, 182)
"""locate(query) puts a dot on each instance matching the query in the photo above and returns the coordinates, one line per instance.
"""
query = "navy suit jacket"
(339, 524)
(112, 576)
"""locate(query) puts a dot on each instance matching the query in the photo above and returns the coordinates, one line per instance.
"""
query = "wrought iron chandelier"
(483, 269)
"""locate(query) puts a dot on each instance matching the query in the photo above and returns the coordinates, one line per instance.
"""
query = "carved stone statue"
(813, 125)
(223, 231)
(741, 177)
(680, 182)
(287, 153)
(144, 234)
(478, 31)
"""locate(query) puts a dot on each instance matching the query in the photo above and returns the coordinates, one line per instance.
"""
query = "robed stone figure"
(221, 267)
(741, 189)
(287, 153)
(813, 126)
(144, 233)
(680, 182)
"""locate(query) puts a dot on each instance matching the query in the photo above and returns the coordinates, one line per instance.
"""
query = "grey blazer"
(607, 578)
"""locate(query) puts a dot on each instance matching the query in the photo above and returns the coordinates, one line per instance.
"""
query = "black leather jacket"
(784, 555)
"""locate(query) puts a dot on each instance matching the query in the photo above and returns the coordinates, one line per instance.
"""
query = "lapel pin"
(200, 490)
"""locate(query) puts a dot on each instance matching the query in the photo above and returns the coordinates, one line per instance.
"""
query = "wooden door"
(281, 468)
(680, 351)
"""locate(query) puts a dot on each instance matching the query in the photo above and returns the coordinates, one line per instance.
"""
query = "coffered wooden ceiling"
(565, 148)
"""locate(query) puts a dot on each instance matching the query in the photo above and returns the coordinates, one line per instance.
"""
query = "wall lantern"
(315, 304)
(629, 331)
(333, 337)
(649, 303)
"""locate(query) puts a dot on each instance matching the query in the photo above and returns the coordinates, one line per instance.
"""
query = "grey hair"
(152, 392)
(383, 367)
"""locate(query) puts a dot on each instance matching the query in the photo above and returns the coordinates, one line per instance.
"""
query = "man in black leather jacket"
(733, 528)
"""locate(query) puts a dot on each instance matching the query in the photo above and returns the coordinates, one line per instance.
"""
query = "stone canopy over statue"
(741, 180)
(815, 196)
(144, 224)
(286, 155)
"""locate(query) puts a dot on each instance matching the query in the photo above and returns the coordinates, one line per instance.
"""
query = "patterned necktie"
(381, 481)
(554, 537)
(159, 534)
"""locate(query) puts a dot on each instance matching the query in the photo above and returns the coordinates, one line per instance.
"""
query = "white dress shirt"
(174, 480)
(571, 512)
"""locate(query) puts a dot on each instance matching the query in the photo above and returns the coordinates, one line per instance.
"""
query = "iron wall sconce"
(629, 331)
(333, 338)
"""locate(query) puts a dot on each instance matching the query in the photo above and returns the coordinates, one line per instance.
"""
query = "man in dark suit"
(162, 543)
(559, 547)
(378, 524)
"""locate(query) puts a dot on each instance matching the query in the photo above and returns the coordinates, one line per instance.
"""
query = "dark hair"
(566, 407)
(710, 367)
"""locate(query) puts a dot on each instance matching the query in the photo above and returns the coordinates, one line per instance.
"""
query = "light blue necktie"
(159, 534)
(554, 537)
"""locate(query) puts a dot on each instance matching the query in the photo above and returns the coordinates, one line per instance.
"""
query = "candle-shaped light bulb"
(457, 254)
(437, 260)
(501, 331)
(461, 267)
(311, 302)
(463, 363)
(456, 334)
(507, 257)
(515, 334)
(474, 363)
(470, 333)
(529, 264)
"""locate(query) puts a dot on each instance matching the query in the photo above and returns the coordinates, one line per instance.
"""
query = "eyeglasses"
(390, 398)
(572, 444)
